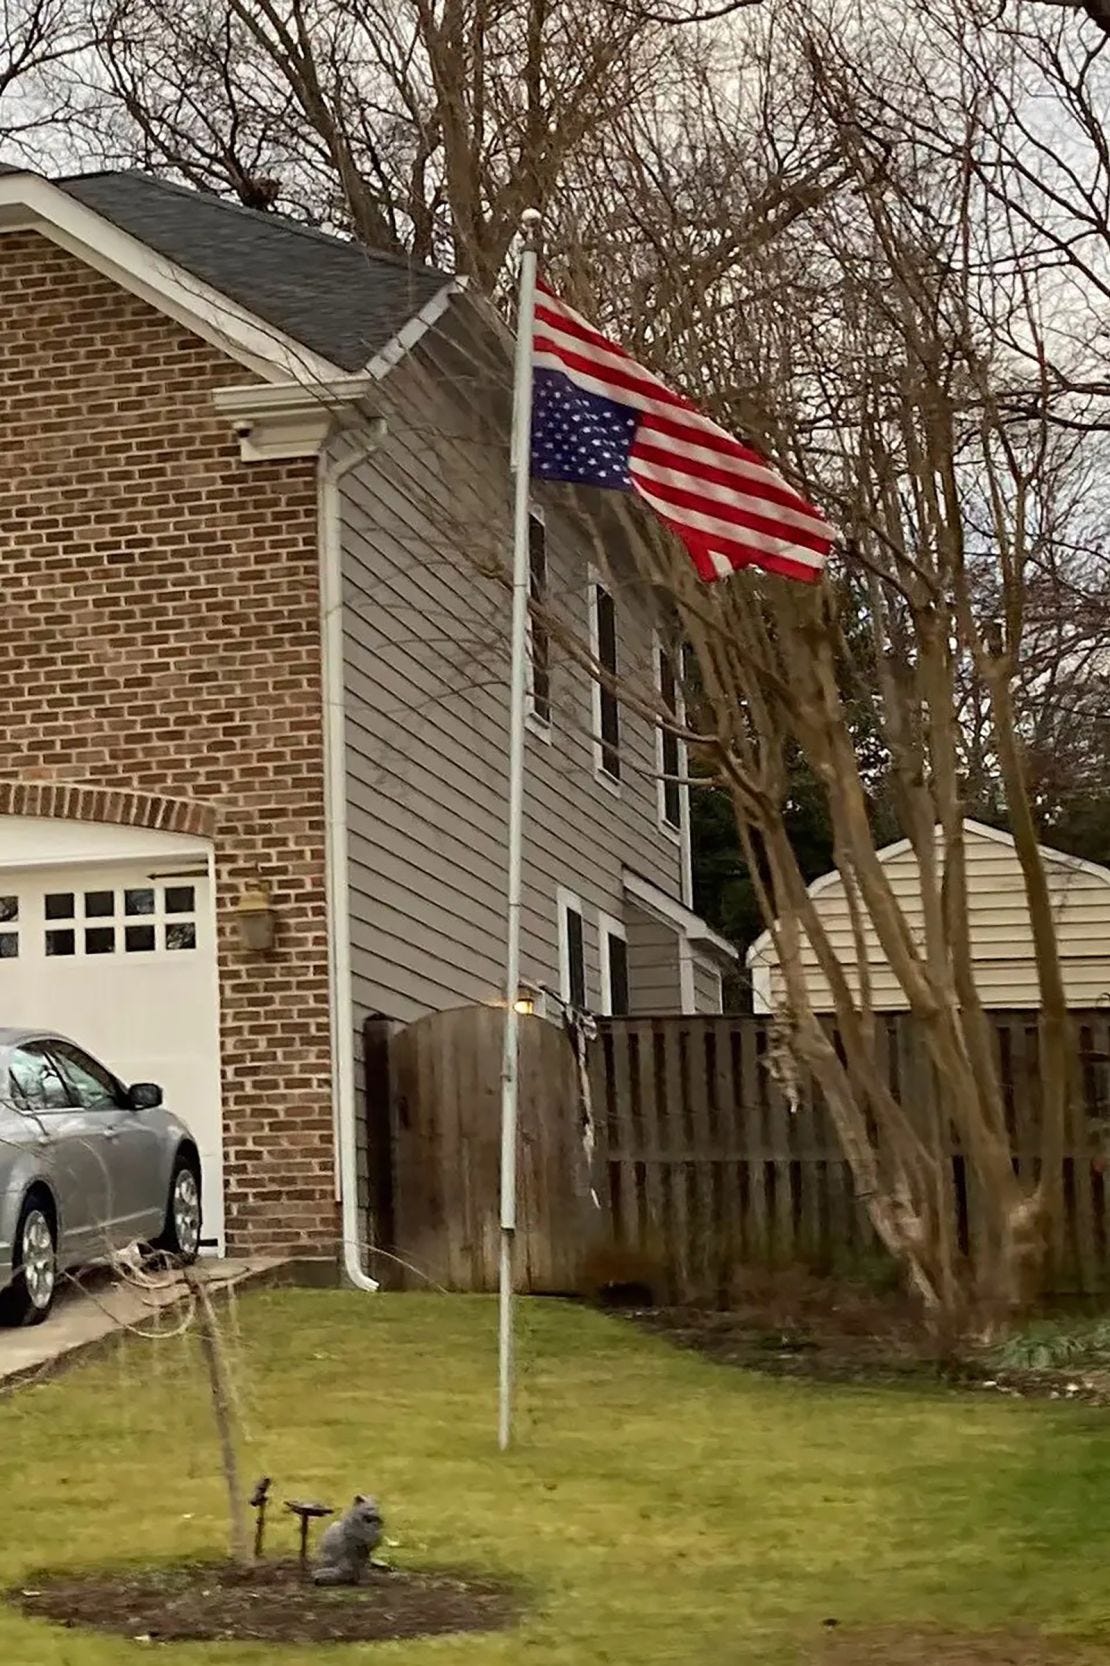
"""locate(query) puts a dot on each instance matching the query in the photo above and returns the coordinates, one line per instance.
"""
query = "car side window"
(93, 1087)
(36, 1082)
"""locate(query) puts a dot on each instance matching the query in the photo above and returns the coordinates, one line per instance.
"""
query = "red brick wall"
(161, 635)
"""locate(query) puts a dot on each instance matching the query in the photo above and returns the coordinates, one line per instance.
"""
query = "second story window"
(572, 950)
(670, 752)
(607, 719)
(614, 965)
(539, 642)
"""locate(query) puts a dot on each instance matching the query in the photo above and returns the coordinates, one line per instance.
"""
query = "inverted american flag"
(600, 419)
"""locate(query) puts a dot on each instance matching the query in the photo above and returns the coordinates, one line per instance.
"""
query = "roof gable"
(292, 305)
(976, 832)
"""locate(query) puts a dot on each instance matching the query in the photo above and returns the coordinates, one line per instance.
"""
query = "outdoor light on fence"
(256, 919)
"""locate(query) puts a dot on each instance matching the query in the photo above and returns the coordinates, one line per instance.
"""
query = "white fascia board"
(417, 326)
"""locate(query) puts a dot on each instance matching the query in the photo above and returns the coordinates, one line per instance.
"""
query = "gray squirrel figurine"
(345, 1549)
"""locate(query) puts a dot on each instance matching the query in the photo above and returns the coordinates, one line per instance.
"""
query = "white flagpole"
(520, 461)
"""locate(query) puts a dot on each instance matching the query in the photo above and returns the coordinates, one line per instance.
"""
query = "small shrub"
(1054, 1345)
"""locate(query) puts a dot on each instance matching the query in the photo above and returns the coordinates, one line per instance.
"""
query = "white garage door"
(114, 947)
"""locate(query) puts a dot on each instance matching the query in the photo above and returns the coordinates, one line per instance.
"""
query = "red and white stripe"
(729, 507)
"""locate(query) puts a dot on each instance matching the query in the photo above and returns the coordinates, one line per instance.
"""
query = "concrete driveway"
(101, 1303)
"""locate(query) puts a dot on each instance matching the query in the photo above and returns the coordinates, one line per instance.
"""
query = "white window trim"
(565, 900)
(601, 774)
(687, 989)
(679, 835)
(538, 726)
(608, 927)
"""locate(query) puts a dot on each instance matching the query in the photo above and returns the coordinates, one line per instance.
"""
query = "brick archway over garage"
(116, 807)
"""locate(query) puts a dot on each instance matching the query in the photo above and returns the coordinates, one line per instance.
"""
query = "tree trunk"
(222, 1399)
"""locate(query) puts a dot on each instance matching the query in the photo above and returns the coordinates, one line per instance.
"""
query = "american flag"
(600, 419)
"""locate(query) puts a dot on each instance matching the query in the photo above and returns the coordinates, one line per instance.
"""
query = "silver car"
(87, 1166)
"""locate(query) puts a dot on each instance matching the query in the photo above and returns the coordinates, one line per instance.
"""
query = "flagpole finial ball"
(530, 219)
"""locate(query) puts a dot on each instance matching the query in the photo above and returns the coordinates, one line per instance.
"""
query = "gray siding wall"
(653, 973)
(707, 986)
(426, 649)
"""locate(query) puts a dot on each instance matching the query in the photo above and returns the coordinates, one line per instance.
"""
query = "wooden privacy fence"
(702, 1165)
(708, 1167)
(434, 1168)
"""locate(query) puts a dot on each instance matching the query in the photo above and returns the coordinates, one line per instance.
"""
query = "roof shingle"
(332, 296)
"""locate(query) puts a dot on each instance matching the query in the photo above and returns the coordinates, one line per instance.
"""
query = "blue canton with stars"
(581, 438)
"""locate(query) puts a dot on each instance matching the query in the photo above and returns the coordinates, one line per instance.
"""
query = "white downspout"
(337, 871)
(687, 992)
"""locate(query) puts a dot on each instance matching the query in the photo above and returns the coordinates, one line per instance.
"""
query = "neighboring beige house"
(1000, 932)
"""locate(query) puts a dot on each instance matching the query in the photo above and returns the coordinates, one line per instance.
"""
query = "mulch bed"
(267, 1602)
(819, 1331)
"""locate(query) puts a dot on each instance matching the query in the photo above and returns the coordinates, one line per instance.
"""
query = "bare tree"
(425, 126)
(38, 38)
(894, 346)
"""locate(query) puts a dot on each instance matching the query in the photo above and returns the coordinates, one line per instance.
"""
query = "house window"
(607, 722)
(614, 966)
(539, 642)
(572, 950)
(670, 750)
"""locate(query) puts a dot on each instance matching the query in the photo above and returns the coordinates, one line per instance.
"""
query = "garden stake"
(258, 1505)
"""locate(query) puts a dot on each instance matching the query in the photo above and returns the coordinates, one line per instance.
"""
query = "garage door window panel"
(9, 928)
(132, 920)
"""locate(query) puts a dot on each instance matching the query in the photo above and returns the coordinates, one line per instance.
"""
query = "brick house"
(240, 663)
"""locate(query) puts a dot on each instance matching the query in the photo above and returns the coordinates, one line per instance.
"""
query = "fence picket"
(698, 1082)
(750, 1145)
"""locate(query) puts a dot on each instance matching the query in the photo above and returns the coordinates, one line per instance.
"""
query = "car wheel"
(180, 1239)
(30, 1296)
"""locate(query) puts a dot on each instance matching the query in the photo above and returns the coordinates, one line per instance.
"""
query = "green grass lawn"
(659, 1508)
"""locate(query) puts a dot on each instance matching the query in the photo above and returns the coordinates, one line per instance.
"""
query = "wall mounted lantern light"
(256, 919)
